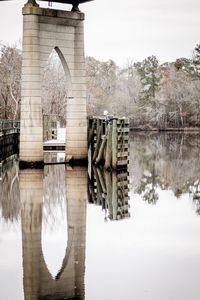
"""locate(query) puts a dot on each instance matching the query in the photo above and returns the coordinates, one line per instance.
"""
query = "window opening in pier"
(55, 90)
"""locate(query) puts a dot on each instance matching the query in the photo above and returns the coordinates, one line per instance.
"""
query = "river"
(126, 235)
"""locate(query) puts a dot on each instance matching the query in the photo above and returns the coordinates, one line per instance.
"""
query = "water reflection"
(9, 189)
(51, 205)
(168, 161)
(111, 191)
(42, 194)
(38, 281)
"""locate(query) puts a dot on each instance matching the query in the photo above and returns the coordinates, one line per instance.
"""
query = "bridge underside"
(44, 30)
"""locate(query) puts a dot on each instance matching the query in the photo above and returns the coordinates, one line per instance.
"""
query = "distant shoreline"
(183, 129)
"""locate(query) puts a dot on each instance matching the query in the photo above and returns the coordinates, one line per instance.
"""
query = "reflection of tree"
(9, 191)
(54, 187)
(194, 190)
(149, 185)
(54, 192)
(164, 160)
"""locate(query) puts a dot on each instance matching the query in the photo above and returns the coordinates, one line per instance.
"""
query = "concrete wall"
(44, 30)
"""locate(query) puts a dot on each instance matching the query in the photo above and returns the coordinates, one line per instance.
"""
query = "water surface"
(65, 235)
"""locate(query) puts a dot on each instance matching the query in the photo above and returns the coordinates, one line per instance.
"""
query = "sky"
(128, 30)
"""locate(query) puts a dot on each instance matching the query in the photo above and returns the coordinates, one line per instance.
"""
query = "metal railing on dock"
(9, 138)
(108, 140)
(9, 127)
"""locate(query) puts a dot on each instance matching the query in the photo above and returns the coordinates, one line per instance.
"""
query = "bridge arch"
(66, 70)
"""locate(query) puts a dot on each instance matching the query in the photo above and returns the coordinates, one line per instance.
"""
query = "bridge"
(44, 30)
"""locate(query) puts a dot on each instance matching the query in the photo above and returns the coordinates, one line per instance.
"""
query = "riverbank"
(182, 129)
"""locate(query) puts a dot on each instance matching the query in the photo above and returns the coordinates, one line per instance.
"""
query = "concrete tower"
(44, 30)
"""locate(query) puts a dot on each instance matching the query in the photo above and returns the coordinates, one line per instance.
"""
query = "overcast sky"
(127, 29)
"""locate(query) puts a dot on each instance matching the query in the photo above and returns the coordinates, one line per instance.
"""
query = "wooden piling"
(108, 156)
(114, 195)
(108, 142)
(108, 180)
(91, 131)
(101, 149)
(98, 139)
(114, 144)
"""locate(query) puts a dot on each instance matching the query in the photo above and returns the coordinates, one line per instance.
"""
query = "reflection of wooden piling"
(101, 179)
(108, 141)
(110, 190)
(98, 187)
(114, 195)
(108, 179)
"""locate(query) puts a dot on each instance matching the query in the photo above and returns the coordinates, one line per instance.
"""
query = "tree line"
(151, 94)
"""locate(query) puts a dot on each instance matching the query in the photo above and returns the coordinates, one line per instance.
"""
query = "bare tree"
(54, 87)
(10, 81)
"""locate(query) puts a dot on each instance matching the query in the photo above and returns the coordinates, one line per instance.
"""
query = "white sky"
(125, 30)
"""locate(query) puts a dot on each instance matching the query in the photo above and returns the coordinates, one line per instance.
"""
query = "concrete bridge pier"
(46, 29)
(31, 127)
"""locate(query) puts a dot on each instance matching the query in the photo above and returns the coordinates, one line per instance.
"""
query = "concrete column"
(31, 131)
(76, 131)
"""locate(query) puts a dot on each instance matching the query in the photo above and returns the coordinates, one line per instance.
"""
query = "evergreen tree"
(148, 70)
(190, 66)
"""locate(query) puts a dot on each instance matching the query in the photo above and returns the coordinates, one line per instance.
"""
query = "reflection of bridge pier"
(110, 190)
(31, 193)
(38, 281)
(76, 193)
